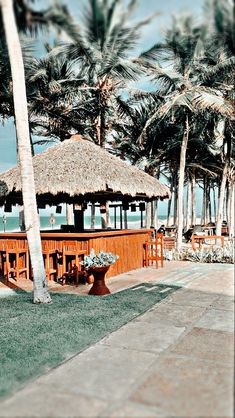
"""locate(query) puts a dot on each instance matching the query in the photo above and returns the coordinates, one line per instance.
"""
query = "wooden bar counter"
(128, 244)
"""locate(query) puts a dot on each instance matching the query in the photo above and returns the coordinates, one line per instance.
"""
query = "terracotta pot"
(99, 287)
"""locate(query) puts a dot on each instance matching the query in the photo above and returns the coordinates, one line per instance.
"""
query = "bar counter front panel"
(127, 244)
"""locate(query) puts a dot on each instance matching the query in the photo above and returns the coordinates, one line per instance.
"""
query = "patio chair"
(154, 251)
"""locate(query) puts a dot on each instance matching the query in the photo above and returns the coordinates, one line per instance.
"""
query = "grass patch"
(35, 338)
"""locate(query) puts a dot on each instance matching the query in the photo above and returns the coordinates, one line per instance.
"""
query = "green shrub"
(212, 255)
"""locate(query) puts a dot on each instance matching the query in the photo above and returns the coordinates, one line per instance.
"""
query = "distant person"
(188, 234)
(153, 232)
(195, 230)
(161, 230)
(52, 220)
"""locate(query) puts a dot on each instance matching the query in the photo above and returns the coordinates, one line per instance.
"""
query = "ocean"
(12, 222)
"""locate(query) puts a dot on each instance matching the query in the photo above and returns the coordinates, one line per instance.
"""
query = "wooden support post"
(78, 218)
(141, 219)
(92, 216)
(115, 217)
(120, 216)
(125, 220)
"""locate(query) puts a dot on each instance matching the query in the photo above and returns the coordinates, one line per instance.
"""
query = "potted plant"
(98, 265)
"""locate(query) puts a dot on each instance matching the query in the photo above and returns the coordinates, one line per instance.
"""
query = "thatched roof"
(76, 170)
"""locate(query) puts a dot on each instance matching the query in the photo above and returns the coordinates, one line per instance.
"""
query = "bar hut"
(79, 172)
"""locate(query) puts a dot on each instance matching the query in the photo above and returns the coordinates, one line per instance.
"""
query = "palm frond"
(205, 99)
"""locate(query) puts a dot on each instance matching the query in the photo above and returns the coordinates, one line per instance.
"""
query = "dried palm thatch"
(77, 170)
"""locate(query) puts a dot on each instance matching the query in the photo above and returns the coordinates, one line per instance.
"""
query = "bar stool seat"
(154, 251)
(17, 258)
(72, 254)
(50, 259)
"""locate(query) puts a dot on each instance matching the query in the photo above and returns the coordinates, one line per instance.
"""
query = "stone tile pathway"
(176, 360)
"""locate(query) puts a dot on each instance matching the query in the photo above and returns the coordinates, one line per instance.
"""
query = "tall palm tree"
(158, 152)
(101, 50)
(41, 294)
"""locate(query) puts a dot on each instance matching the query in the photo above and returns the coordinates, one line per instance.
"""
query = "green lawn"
(34, 338)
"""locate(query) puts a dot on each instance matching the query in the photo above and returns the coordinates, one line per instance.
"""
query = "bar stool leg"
(7, 266)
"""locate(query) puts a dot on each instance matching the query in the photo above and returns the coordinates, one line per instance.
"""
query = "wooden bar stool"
(2, 257)
(72, 254)
(169, 243)
(154, 251)
(50, 259)
(17, 258)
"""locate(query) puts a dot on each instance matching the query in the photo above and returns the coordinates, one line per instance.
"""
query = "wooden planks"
(127, 244)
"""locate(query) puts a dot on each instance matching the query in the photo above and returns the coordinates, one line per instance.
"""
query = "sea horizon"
(12, 222)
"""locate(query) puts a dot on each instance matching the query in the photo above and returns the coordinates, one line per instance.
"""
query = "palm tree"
(157, 154)
(184, 92)
(57, 107)
(220, 72)
(101, 50)
(41, 294)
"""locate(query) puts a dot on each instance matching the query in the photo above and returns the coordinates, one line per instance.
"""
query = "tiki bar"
(80, 173)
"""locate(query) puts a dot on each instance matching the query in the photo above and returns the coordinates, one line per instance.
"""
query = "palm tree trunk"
(188, 205)
(93, 216)
(203, 211)
(21, 218)
(169, 204)
(153, 210)
(156, 215)
(175, 200)
(148, 214)
(226, 197)
(69, 214)
(231, 231)
(214, 203)
(21, 208)
(181, 184)
(41, 294)
(193, 217)
(209, 203)
(221, 199)
(207, 200)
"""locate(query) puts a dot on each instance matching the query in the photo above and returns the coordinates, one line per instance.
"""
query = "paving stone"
(224, 302)
(133, 410)
(192, 297)
(100, 371)
(218, 283)
(47, 402)
(217, 319)
(207, 344)
(173, 313)
(147, 336)
(185, 387)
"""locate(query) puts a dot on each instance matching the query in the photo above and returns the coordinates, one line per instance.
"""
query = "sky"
(151, 34)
